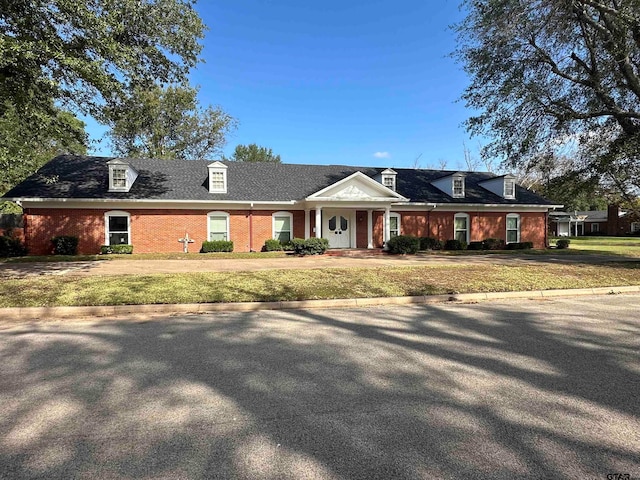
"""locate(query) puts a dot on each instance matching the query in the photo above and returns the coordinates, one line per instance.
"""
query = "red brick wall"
(159, 230)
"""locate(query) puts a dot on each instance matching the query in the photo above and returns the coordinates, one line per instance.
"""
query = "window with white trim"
(595, 227)
(461, 227)
(389, 181)
(635, 227)
(282, 226)
(509, 188)
(513, 228)
(119, 178)
(117, 227)
(394, 225)
(218, 226)
(217, 177)
(458, 187)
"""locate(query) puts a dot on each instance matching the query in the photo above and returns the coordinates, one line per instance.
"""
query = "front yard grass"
(281, 285)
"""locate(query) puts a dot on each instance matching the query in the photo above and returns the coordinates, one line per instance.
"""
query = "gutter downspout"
(251, 228)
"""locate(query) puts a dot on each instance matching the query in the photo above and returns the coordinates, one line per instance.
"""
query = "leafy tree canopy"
(26, 145)
(85, 54)
(253, 153)
(559, 76)
(168, 123)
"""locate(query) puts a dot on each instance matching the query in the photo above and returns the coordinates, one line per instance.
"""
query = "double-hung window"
(117, 228)
(458, 187)
(283, 226)
(461, 227)
(394, 225)
(509, 188)
(119, 178)
(635, 227)
(513, 228)
(218, 227)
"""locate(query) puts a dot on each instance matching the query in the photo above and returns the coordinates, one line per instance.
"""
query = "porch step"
(355, 252)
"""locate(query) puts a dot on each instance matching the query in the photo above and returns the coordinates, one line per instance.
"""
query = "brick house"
(612, 221)
(152, 203)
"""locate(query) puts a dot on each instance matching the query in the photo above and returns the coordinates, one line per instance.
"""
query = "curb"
(34, 313)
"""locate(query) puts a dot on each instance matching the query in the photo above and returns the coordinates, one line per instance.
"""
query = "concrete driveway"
(133, 266)
(535, 389)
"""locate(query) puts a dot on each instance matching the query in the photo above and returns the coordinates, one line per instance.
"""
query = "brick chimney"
(613, 215)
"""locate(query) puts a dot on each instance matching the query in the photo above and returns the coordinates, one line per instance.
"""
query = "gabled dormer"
(453, 185)
(387, 178)
(217, 177)
(504, 186)
(121, 175)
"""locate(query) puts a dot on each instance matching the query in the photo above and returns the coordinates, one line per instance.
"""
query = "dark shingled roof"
(70, 176)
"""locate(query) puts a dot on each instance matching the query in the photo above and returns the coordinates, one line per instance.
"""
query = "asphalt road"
(534, 389)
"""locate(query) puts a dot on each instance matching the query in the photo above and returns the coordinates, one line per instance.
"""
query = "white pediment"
(357, 187)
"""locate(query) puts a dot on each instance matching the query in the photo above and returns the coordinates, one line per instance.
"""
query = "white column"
(318, 221)
(307, 223)
(369, 228)
(387, 225)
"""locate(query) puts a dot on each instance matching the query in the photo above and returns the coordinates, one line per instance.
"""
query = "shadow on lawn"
(437, 392)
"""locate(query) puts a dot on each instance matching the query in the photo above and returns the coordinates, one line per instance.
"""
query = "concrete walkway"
(133, 266)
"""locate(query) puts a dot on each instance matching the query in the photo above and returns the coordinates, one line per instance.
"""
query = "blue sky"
(336, 82)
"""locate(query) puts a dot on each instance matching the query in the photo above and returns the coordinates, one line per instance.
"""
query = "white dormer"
(217, 177)
(388, 178)
(504, 186)
(453, 185)
(121, 175)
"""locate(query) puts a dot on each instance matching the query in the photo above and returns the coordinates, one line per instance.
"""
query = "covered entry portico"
(336, 210)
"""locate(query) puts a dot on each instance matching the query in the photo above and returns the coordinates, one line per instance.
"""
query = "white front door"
(336, 228)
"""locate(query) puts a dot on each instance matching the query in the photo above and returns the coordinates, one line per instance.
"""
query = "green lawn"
(621, 246)
(275, 285)
(143, 256)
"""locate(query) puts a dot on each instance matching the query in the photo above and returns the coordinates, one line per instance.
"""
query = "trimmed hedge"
(455, 245)
(476, 246)
(65, 245)
(11, 247)
(217, 246)
(563, 243)
(493, 244)
(310, 246)
(272, 245)
(519, 246)
(116, 249)
(403, 244)
(428, 243)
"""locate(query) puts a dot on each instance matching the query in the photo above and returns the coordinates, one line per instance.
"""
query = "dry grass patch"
(277, 285)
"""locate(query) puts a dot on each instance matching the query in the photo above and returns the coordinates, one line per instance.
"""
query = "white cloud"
(382, 155)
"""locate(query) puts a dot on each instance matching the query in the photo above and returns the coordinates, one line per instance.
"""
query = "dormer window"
(217, 177)
(388, 178)
(121, 176)
(509, 188)
(458, 187)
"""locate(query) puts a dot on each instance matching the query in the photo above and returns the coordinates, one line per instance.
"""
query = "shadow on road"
(416, 392)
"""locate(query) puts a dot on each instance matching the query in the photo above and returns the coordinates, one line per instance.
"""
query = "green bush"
(476, 246)
(287, 246)
(217, 246)
(310, 246)
(116, 249)
(11, 247)
(65, 245)
(563, 243)
(403, 244)
(493, 244)
(272, 245)
(428, 243)
(455, 245)
(519, 245)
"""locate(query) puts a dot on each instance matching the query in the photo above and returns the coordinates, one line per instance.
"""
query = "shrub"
(403, 244)
(287, 246)
(217, 246)
(476, 246)
(116, 249)
(11, 247)
(272, 245)
(428, 243)
(519, 246)
(65, 245)
(310, 246)
(563, 243)
(455, 245)
(493, 244)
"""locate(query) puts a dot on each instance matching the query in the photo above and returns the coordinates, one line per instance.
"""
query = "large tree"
(168, 123)
(253, 153)
(556, 76)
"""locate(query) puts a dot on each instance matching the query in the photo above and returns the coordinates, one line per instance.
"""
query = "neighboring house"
(612, 221)
(152, 203)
